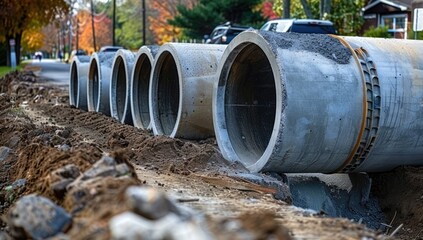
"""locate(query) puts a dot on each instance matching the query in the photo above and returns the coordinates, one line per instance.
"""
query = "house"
(396, 14)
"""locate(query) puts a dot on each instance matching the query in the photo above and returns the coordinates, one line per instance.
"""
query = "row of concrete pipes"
(280, 102)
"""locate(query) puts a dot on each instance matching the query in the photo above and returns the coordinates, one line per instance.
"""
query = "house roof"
(402, 5)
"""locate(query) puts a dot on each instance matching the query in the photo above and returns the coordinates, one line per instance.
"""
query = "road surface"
(52, 70)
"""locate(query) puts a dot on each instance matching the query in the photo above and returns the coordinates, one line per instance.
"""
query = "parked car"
(300, 26)
(223, 34)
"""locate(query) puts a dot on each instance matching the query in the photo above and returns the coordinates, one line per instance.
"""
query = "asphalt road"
(52, 70)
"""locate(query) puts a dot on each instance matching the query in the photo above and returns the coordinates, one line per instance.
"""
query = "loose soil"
(42, 133)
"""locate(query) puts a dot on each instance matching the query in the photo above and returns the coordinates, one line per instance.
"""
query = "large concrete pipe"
(98, 82)
(78, 82)
(181, 88)
(140, 82)
(120, 86)
(314, 103)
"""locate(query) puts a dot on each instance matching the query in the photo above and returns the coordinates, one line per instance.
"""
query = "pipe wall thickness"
(120, 86)
(78, 82)
(99, 75)
(308, 103)
(140, 82)
(181, 88)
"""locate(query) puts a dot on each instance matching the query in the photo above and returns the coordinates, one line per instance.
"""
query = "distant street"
(52, 70)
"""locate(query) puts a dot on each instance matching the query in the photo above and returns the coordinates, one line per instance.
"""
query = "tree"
(17, 16)
(166, 10)
(103, 31)
(268, 12)
(129, 31)
(204, 16)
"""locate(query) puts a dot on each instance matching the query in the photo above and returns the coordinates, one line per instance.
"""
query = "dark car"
(223, 34)
(300, 26)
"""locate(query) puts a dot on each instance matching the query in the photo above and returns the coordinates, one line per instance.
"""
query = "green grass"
(5, 70)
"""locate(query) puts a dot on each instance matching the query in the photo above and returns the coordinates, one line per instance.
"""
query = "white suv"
(300, 26)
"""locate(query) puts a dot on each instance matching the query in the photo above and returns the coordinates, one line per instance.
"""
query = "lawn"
(4, 69)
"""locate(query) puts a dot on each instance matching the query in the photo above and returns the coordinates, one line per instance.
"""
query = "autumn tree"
(103, 31)
(18, 16)
(162, 12)
(204, 16)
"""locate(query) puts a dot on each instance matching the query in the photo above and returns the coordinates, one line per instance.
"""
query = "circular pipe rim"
(143, 56)
(119, 87)
(164, 51)
(239, 43)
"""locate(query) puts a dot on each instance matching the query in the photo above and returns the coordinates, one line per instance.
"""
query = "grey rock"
(60, 188)
(37, 217)
(128, 226)
(69, 171)
(148, 202)
(19, 183)
(65, 147)
(4, 152)
(105, 167)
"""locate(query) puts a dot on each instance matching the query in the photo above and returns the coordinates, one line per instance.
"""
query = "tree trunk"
(327, 7)
(286, 9)
(307, 9)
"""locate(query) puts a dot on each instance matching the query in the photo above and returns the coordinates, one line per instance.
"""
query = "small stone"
(37, 217)
(60, 188)
(70, 171)
(128, 226)
(65, 147)
(19, 183)
(4, 152)
(148, 202)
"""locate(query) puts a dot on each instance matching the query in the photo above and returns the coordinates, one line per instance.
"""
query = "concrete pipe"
(140, 82)
(120, 86)
(181, 88)
(99, 74)
(311, 103)
(78, 82)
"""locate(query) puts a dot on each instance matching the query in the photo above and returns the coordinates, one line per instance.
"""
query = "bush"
(379, 32)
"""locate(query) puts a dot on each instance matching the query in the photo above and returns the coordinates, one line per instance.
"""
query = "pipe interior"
(141, 86)
(94, 83)
(167, 94)
(250, 103)
(74, 83)
(121, 91)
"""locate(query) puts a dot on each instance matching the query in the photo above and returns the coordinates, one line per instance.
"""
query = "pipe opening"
(250, 103)
(121, 91)
(74, 84)
(94, 83)
(167, 94)
(141, 85)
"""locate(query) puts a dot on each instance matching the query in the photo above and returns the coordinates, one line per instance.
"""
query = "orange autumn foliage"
(165, 10)
(102, 28)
